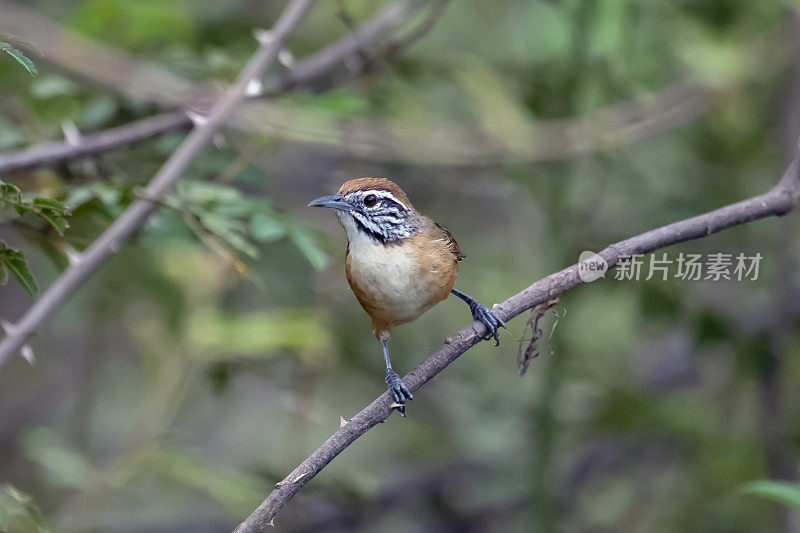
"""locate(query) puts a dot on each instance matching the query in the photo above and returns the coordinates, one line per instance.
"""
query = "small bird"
(399, 263)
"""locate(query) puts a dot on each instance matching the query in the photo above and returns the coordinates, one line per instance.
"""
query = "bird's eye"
(370, 200)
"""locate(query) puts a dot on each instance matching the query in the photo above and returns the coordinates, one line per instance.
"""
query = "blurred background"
(221, 344)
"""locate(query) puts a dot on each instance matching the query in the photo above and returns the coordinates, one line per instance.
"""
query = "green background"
(189, 375)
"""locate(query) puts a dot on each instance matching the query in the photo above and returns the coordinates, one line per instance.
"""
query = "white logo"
(591, 266)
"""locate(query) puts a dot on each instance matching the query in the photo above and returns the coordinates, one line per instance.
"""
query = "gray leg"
(396, 386)
(484, 315)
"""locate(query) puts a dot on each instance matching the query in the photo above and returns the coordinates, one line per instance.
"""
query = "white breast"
(390, 274)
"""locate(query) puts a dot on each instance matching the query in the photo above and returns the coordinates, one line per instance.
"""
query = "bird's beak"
(334, 201)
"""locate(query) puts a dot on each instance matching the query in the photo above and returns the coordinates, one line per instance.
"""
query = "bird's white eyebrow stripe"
(384, 194)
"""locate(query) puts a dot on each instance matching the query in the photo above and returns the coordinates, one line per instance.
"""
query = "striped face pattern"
(380, 215)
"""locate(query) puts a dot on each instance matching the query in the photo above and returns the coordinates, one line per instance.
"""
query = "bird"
(399, 263)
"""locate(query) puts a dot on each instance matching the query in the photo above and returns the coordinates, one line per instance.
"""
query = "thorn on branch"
(301, 477)
(73, 256)
(264, 37)
(8, 327)
(72, 134)
(286, 58)
(254, 88)
(27, 353)
(342, 421)
(532, 350)
(297, 479)
(197, 119)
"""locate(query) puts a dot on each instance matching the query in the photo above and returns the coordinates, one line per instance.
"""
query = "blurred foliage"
(10, 46)
(785, 493)
(221, 344)
(52, 212)
(18, 513)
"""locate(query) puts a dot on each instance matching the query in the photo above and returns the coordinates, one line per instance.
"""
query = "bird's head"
(372, 207)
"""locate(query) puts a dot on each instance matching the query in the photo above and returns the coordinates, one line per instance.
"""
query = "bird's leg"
(395, 383)
(484, 315)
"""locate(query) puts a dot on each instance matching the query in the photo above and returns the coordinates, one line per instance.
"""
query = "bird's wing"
(452, 245)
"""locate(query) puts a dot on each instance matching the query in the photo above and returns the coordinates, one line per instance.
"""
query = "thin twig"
(396, 46)
(97, 143)
(547, 140)
(138, 212)
(529, 348)
(379, 27)
(780, 200)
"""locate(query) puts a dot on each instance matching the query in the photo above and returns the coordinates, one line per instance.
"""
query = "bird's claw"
(399, 391)
(488, 318)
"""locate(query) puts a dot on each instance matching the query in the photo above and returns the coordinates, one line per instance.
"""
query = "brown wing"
(451, 242)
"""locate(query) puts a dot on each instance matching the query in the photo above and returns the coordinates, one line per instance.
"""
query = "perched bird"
(399, 263)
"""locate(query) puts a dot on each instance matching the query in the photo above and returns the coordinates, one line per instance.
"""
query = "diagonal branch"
(780, 200)
(140, 211)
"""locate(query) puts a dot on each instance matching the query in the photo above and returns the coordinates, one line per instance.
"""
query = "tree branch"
(385, 141)
(89, 145)
(377, 28)
(305, 72)
(778, 201)
(138, 212)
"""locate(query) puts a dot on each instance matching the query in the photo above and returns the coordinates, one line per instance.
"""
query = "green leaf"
(58, 223)
(51, 211)
(63, 466)
(230, 231)
(20, 57)
(18, 512)
(266, 228)
(10, 135)
(47, 203)
(14, 262)
(777, 491)
(19, 268)
(304, 240)
(204, 192)
(112, 199)
(9, 193)
(338, 103)
(224, 336)
(52, 86)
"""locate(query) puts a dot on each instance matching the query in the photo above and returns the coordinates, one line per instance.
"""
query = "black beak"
(334, 201)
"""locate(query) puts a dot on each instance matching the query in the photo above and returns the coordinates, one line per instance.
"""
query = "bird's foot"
(488, 318)
(399, 391)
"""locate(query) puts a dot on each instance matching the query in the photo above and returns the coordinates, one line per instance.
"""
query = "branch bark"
(97, 143)
(320, 64)
(133, 217)
(780, 200)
